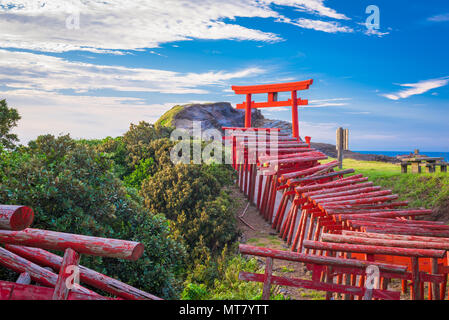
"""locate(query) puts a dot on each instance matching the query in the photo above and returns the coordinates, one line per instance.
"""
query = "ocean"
(396, 153)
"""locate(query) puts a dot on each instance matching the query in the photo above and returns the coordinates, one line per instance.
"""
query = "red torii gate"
(272, 90)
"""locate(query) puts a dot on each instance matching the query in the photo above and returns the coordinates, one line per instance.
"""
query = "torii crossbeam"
(273, 90)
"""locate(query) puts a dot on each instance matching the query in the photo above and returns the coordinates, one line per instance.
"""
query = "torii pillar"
(273, 90)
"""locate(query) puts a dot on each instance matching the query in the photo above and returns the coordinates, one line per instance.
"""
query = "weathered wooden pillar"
(416, 168)
(267, 279)
(15, 217)
(62, 288)
(295, 125)
(248, 111)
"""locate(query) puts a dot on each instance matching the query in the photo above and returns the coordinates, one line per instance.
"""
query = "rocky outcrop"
(222, 114)
(212, 115)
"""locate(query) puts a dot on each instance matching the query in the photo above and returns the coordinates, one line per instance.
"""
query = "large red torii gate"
(272, 90)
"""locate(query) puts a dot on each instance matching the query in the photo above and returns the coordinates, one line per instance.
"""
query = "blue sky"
(90, 68)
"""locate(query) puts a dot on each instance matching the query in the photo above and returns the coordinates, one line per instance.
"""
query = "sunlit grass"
(421, 190)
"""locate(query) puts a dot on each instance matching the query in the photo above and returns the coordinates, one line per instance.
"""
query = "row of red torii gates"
(356, 238)
(272, 90)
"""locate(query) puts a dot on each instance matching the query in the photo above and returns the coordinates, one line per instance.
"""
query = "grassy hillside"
(166, 120)
(421, 190)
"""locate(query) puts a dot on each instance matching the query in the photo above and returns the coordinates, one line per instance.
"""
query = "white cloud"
(312, 6)
(22, 70)
(318, 25)
(81, 116)
(37, 86)
(374, 32)
(417, 88)
(335, 102)
(109, 26)
(439, 18)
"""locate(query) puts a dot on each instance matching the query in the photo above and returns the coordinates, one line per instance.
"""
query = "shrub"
(8, 120)
(72, 189)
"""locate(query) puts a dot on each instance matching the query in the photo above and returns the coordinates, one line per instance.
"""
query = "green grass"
(421, 190)
(313, 295)
(286, 269)
(166, 120)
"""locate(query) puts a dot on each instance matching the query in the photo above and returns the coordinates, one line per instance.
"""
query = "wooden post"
(340, 145)
(88, 276)
(71, 258)
(404, 166)
(51, 240)
(435, 286)
(267, 279)
(416, 168)
(15, 217)
(248, 111)
(416, 281)
(295, 125)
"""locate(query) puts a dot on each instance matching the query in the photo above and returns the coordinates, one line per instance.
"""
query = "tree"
(72, 188)
(8, 120)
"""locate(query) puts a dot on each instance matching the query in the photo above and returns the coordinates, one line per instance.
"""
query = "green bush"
(72, 188)
(138, 141)
(219, 280)
(200, 212)
(179, 188)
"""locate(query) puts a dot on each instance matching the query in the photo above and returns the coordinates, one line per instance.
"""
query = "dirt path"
(264, 236)
(261, 234)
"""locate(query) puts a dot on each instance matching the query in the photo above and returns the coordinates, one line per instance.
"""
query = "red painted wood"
(88, 276)
(320, 177)
(395, 237)
(331, 200)
(320, 286)
(371, 249)
(384, 242)
(385, 213)
(248, 112)
(394, 220)
(267, 279)
(18, 264)
(373, 200)
(359, 191)
(316, 259)
(343, 208)
(52, 240)
(407, 231)
(342, 182)
(337, 189)
(272, 104)
(411, 224)
(15, 291)
(276, 87)
(15, 217)
(295, 124)
(308, 171)
(71, 258)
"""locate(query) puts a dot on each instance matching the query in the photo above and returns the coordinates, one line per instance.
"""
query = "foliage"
(219, 280)
(127, 188)
(8, 120)
(167, 118)
(138, 141)
(72, 189)
(141, 172)
(191, 197)
(115, 150)
(179, 188)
